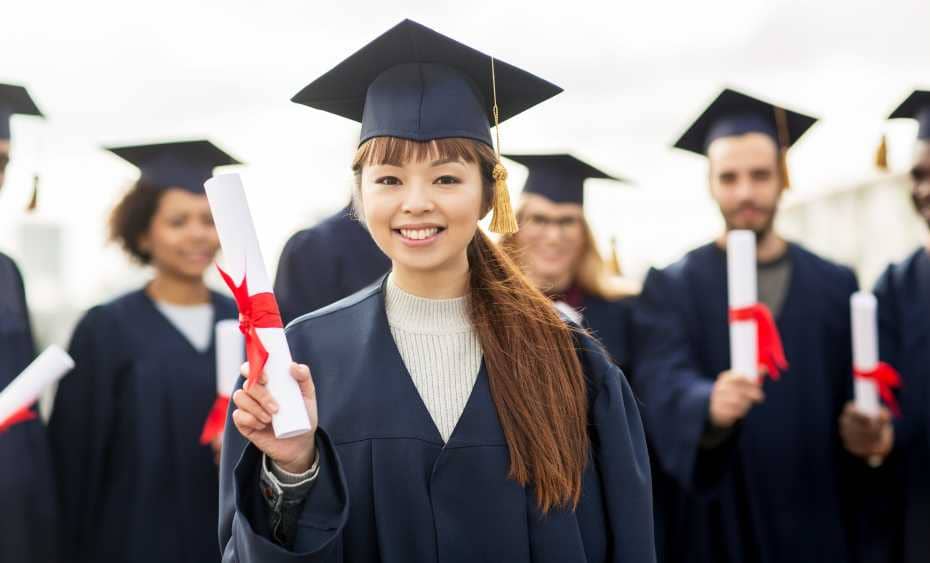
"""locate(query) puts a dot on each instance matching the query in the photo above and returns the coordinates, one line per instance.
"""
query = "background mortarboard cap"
(916, 106)
(558, 177)
(414, 83)
(14, 100)
(733, 113)
(181, 164)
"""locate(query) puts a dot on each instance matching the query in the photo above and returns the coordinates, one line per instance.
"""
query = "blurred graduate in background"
(903, 293)
(135, 482)
(28, 531)
(557, 250)
(764, 475)
(325, 263)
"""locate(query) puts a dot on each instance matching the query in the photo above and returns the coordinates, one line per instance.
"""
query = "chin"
(421, 263)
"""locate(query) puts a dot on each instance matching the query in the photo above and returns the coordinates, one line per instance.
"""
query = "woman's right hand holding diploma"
(252, 417)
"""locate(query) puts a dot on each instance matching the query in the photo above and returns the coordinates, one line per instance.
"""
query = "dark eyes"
(395, 181)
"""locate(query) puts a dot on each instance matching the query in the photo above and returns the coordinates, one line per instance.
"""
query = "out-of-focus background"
(635, 75)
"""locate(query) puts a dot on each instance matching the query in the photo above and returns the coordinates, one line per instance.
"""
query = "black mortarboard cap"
(417, 84)
(916, 106)
(558, 177)
(14, 99)
(182, 164)
(733, 113)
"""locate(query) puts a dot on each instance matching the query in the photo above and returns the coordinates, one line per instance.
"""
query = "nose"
(743, 188)
(552, 233)
(417, 199)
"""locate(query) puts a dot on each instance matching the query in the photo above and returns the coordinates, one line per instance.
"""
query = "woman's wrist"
(302, 463)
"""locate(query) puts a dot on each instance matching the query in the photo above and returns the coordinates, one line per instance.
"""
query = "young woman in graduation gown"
(134, 480)
(556, 249)
(456, 417)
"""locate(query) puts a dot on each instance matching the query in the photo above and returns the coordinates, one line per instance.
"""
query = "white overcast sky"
(634, 73)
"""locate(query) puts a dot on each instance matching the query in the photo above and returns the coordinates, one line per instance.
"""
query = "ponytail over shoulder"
(536, 378)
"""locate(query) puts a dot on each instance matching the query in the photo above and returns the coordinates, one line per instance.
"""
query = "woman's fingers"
(301, 374)
(244, 372)
(260, 393)
(247, 403)
(246, 423)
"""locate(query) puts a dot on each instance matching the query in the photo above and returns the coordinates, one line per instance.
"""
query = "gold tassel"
(881, 155)
(783, 167)
(784, 141)
(503, 221)
(34, 201)
(613, 264)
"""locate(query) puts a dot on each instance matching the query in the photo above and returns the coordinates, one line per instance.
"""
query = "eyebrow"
(446, 161)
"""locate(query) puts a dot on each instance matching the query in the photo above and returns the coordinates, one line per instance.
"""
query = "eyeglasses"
(536, 222)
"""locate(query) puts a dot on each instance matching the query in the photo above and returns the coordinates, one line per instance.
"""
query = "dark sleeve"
(675, 396)
(15, 331)
(82, 425)
(619, 451)
(28, 340)
(841, 359)
(245, 518)
(889, 347)
(306, 276)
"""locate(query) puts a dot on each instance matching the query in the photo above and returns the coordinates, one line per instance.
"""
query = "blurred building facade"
(865, 225)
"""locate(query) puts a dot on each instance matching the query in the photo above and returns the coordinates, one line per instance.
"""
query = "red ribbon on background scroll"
(216, 420)
(771, 353)
(886, 378)
(255, 311)
(22, 415)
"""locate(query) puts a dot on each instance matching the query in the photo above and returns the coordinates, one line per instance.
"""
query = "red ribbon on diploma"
(886, 378)
(22, 415)
(255, 311)
(771, 353)
(216, 420)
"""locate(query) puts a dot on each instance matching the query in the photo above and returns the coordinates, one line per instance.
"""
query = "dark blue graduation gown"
(903, 293)
(778, 490)
(135, 484)
(325, 263)
(28, 531)
(390, 491)
(609, 322)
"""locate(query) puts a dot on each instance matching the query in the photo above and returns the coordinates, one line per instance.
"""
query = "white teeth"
(419, 234)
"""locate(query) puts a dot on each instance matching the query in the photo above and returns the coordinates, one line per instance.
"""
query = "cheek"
(575, 244)
(377, 210)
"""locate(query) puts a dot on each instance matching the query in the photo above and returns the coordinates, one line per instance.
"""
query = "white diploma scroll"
(243, 259)
(49, 367)
(863, 307)
(230, 354)
(742, 292)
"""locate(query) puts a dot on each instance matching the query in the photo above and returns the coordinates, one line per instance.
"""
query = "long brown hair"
(537, 382)
(592, 274)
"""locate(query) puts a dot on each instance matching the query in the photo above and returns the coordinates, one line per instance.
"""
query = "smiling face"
(423, 210)
(551, 240)
(745, 182)
(181, 239)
